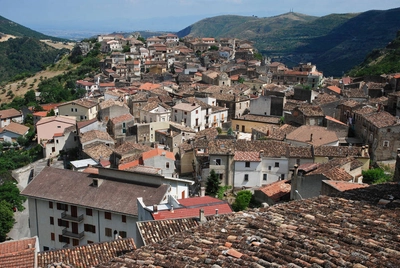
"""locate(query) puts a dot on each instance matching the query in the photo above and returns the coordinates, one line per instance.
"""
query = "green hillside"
(380, 61)
(335, 43)
(13, 28)
(24, 55)
(245, 27)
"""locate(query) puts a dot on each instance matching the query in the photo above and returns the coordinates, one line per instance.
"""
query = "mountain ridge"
(335, 42)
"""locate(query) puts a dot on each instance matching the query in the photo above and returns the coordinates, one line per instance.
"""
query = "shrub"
(242, 200)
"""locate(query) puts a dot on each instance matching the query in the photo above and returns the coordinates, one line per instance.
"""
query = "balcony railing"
(69, 234)
(68, 217)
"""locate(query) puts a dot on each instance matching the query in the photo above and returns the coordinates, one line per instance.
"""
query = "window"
(167, 165)
(123, 218)
(246, 177)
(107, 215)
(269, 167)
(282, 176)
(247, 164)
(90, 242)
(298, 162)
(185, 112)
(45, 248)
(123, 124)
(108, 232)
(386, 144)
(122, 234)
(76, 110)
(63, 223)
(51, 221)
(63, 239)
(72, 109)
(90, 228)
(58, 126)
(265, 176)
(57, 141)
(89, 212)
(276, 164)
(75, 242)
(53, 236)
(197, 111)
(388, 130)
(50, 204)
(62, 206)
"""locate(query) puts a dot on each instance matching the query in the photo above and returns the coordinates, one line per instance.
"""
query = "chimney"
(363, 151)
(216, 211)
(29, 245)
(296, 168)
(172, 209)
(261, 153)
(202, 218)
(155, 208)
(311, 136)
(202, 191)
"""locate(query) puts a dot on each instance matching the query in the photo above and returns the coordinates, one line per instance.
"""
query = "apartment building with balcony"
(69, 208)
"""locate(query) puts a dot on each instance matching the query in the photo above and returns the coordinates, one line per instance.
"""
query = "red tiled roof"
(277, 189)
(335, 89)
(18, 254)
(327, 117)
(191, 207)
(158, 151)
(86, 256)
(247, 156)
(9, 113)
(180, 213)
(40, 114)
(345, 185)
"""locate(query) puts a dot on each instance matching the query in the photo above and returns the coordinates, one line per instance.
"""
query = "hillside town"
(127, 166)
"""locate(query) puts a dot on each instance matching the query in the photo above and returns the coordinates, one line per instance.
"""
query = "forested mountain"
(380, 61)
(25, 55)
(334, 42)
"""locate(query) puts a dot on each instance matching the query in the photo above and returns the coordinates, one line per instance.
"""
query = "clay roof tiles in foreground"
(318, 232)
(88, 255)
(18, 254)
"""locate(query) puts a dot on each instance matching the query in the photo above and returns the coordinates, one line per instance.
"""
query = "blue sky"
(167, 15)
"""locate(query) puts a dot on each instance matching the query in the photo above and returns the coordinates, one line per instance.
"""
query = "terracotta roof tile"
(98, 151)
(154, 231)
(247, 156)
(318, 232)
(95, 135)
(277, 189)
(382, 119)
(17, 128)
(122, 118)
(87, 256)
(9, 113)
(18, 253)
(320, 135)
(259, 118)
(344, 185)
(334, 89)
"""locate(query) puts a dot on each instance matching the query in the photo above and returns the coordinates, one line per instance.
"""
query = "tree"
(213, 183)
(375, 176)
(6, 219)
(242, 200)
(10, 193)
